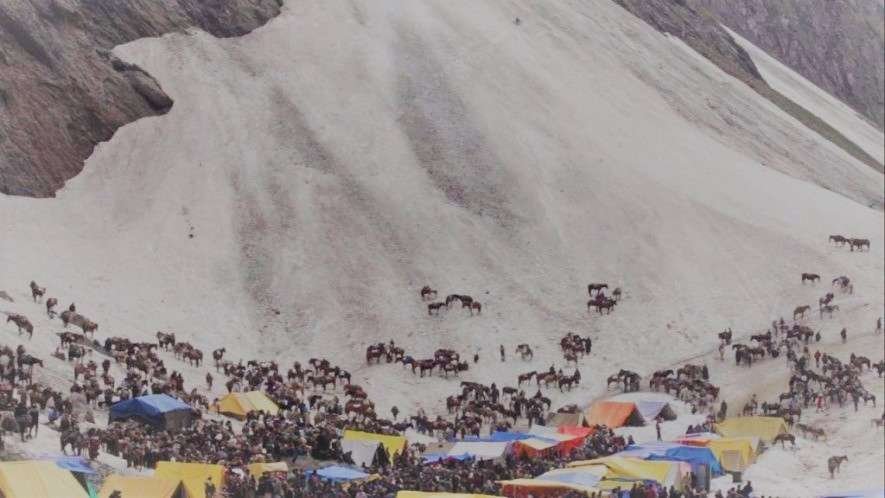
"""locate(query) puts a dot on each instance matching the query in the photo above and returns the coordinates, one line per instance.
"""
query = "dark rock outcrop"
(61, 92)
(838, 45)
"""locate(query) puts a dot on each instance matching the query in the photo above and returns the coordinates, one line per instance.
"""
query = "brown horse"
(436, 307)
(525, 351)
(800, 311)
(22, 323)
(811, 277)
(838, 239)
(783, 439)
(526, 377)
(859, 244)
(834, 463)
(166, 340)
(475, 306)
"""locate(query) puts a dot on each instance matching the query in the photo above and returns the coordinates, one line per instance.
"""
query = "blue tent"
(159, 410)
(694, 455)
(502, 437)
(339, 473)
(75, 464)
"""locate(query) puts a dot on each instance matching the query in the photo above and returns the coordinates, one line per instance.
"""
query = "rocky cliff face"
(692, 22)
(61, 92)
(836, 45)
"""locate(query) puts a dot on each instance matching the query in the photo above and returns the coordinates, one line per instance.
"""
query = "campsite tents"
(553, 483)
(140, 486)
(159, 410)
(694, 455)
(665, 473)
(421, 494)
(339, 473)
(191, 475)
(361, 452)
(765, 428)
(38, 479)
(614, 414)
(651, 409)
(237, 405)
(258, 469)
(735, 453)
(393, 444)
(480, 450)
(566, 419)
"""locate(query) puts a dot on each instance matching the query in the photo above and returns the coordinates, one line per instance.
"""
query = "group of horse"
(478, 404)
(628, 378)
(434, 308)
(574, 347)
(689, 383)
(599, 300)
(551, 377)
(446, 361)
(852, 242)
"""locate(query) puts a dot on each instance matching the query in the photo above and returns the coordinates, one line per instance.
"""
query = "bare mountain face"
(61, 92)
(836, 45)
(700, 30)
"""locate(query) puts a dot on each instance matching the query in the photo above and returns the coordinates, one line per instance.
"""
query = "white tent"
(362, 452)
(480, 450)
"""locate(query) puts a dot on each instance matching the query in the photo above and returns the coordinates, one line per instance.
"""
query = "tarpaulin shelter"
(765, 428)
(76, 464)
(38, 479)
(535, 447)
(340, 473)
(673, 452)
(614, 414)
(665, 473)
(565, 442)
(258, 469)
(139, 486)
(237, 405)
(535, 488)
(361, 452)
(735, 454)
(571, 430)
(651, 410)
(480, 450)
(422, 494)
(191, 475)
(393, 444)
(159, 410)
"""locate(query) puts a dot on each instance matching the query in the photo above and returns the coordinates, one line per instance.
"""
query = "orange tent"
(614, 414)
(575, 430)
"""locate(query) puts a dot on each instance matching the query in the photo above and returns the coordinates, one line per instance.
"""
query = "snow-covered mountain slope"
(805, 93)
(331, 163)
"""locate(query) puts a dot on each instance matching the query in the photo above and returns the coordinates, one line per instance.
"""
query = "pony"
(22, 323)
(800, 311)
(812, 277)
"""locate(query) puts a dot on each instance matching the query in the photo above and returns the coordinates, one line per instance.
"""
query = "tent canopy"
(393, 444)
(653, 409)
(479, 449)
(140, 486)
(158, 410)
(258, 469)
(38, 479)
(567, 419)
(239, 404)
(421, 494)
(634, 469)
(191, 475)
(734, 453)
(338, 473)
(614, 414)
(765, 428)
(361, 452)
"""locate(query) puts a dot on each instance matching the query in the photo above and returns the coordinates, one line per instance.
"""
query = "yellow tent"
(632, 468)
(191, 475)
(256, 470)
(510, 487)
(239, 404)
(393, 444)
(421, 494)
(765, 428)
(734, 453)
(38, 479)
(140, 486)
